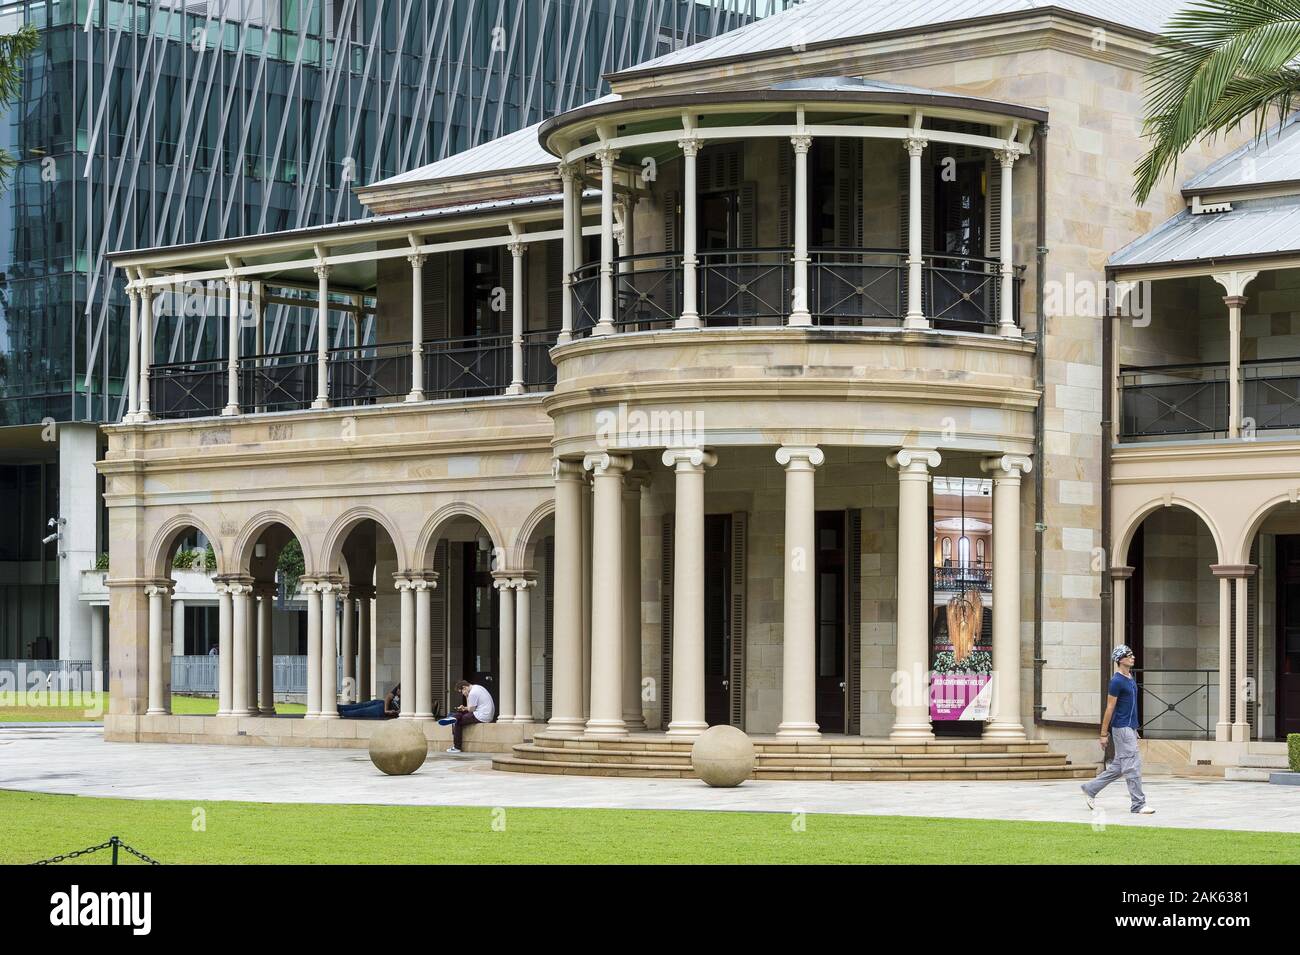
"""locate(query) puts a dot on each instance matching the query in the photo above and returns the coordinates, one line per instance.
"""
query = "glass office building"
(143, 124)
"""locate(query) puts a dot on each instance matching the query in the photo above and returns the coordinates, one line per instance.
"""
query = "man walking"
(1121, 721)
(477, 708)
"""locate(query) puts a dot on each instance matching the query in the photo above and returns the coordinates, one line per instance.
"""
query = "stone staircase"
(1258, 762)
(856, 759)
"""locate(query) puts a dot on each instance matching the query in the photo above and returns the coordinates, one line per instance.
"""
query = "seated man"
(478, 708)
(385, 709)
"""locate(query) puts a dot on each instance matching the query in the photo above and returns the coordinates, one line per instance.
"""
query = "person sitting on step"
(477, 708)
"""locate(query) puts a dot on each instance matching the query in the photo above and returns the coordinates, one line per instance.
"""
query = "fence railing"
(1176, 703)
(1193, 398)
(200, 674)
(964, 578)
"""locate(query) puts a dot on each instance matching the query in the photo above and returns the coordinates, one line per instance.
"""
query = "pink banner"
(960, 696)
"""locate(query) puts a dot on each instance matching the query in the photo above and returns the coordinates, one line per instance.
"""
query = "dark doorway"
(479, 619)
(484, 274)
(717, 619)
(718, 222)
(831, 631)
(960, 290)
(1134, 608)
(1288, 635)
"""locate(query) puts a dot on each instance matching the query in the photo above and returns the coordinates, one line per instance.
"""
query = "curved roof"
(826, 22)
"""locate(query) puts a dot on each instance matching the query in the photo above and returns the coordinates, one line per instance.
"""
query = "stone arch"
(1121, 544)
(242, 555)
(164, 541)
(522, 552)
(331, 553)
(428, 539)
(1254, 522)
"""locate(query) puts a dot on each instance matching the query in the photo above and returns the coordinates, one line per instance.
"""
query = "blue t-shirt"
(1124, 689)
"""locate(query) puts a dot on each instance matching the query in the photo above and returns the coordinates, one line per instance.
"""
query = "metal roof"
(1274, 158)
(517, 150)
(1254, 227)
(818, 22)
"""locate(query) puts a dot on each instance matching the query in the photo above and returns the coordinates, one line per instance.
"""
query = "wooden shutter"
(736, 619)
(848, 183)
(502, 321)
(853, 591)
(554, 285)
(434, 292)
(438, 629)
(748, 219)
(992, 208)
(785, 188)
(548, 626)
(672, 221)
(666, 622)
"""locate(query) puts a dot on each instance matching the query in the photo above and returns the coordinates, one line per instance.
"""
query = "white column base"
(566, 727)
(688, 320)
(799, 730)
(564, 337)
(676, 728)
(230, 410)
(800, 320)
(267, 711)
(915, 322)
(415, 396)
(603, 328)
(516, 388)
(1223, 732)
(606, 728)
(321, 403)
(1010, 331)
(1241, 732)
(911, 731)
(158, 712)
(1004, 731)
(141, 417)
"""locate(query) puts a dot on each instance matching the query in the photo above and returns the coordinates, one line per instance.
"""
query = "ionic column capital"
(914, 460)
(517, 249)
(690, 459)
(800, 458)
(802, 142)
(161, 588)
(523, 580)
(417, 259)
(1007, 466)
(606, 156)
(565, 470)
(1006, 156)
(690, 146)
(322, 271)
(915, 145)
(568, 171)
(603, 463)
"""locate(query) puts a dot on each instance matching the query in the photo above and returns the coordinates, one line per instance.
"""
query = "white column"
(232, 349)
(1006, 265)
(225, 650)
(322, 338)
(690, 317)
(97, 646)
(799, 635)
(406, 587)
(417, 327)
(607, 594)
(133, 355)
(1223, 728)
(688, 589)
(912, 711)
(311, 590)
(572, 212)
(1119, 578)
(364, 689)
(159, 704)
(329, 650)
(178, 627)
(633, 714)
(1235, 304)
(423, 586)
(523, 709)
(586, 599)
(265, 652)
(505, 646)
(517, 250)
(1006, 470)
(242, 666)
(259, 334)
(799, 314)
(1241, 670)
(566, 662)
(606, 324)
(347, 648)
(915, 318)
(146, 349)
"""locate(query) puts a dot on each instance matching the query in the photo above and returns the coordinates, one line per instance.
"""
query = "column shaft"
(607, 596)
(348, 650)
(146, 348)
(158, 702)
(799, 634)
(322, 338)
(1223, 728)
(1006, 265)
(329, 652)
(915, 317)
(242, 666)
(417, 328)
(633, 715)
(606, 324)
(523, 708)
(312, 593)
(688, 590)
(567, 251)
(1234, 368)
(364, 689)
(232, 349)
(519, 262)
(1006, 471)
(1241, 671)
(424, 648)
(690, 317)
(178, 627)
(408, 680)
(566, 662)
(912, 711)
(133, 354)
(225, 651)
(265, 653)
(799, 313)
(505, 649)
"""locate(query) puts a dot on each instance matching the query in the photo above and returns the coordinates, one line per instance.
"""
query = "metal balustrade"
(1176, 704)
(737, 288)
(954, 579)
(1174, 400)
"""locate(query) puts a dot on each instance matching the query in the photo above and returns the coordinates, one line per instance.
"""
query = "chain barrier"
(113, 843)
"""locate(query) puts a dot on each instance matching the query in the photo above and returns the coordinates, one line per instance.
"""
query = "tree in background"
(14, 49)
(1218, 64)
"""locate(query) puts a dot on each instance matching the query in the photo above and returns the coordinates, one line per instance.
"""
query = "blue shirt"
(1124, 689)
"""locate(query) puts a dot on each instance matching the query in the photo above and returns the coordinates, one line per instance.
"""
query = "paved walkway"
(77, 760)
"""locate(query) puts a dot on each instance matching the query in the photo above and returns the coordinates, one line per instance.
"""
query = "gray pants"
(1126, 763)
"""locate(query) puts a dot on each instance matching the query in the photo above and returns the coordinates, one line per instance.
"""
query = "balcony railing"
(1176, 704)
(1193, 399)
(754, 287)
(956, 579)
(358, 376)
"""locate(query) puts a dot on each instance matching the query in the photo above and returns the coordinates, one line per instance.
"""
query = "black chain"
(87, 851)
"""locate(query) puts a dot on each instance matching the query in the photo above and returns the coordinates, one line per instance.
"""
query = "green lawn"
(36, 826)
(92, 706)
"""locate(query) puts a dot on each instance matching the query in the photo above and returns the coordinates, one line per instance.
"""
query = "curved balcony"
(847, 288)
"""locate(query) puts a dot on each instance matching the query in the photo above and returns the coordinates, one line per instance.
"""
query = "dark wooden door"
(830, 612)
(717, 619)
(1288, 635)
(479, 620)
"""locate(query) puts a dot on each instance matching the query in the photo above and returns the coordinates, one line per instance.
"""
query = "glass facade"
(174, 121)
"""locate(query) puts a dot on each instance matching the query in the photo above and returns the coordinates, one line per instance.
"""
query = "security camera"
(51, 538)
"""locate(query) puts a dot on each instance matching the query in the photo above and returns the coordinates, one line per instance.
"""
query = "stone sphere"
(398, 747)
(723, 756)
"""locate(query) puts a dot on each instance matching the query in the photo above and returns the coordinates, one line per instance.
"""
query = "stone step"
(1264, 747)
(607, 754)
(769, 746)
(619, 756)
(1247, 774)
(1263, 760)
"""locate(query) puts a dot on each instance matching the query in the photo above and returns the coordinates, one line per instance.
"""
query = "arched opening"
(537, 555)
(273, 679)
(187, 557)
(365, 560)
(1269, 680)
(1171, 619)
